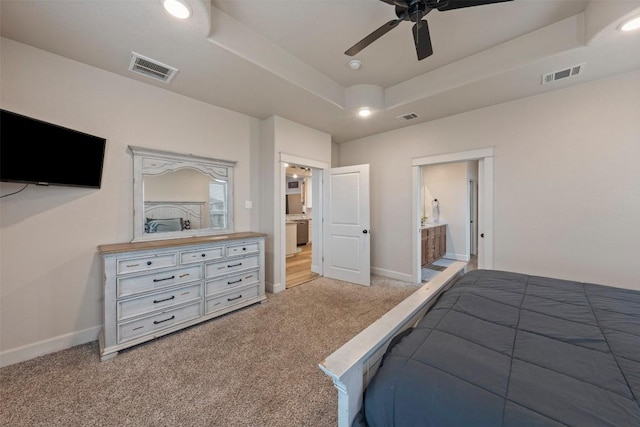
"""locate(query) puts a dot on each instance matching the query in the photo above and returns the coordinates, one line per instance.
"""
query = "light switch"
(248, 204)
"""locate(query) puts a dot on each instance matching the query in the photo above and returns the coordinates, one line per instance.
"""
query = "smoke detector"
(151, 68)
(355, 64)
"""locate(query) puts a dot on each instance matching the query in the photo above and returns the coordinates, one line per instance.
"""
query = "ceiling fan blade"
(459, 4)
(422, 40)
(384, 29)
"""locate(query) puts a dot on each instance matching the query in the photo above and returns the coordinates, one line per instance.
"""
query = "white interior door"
(346, 232)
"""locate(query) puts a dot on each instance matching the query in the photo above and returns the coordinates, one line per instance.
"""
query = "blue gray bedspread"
(507, 349)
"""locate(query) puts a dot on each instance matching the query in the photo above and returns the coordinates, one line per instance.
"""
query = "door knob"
(482, 235)
(365, 231)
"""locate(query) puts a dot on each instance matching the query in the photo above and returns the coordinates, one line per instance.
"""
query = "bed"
(495, 348)
(162, 217)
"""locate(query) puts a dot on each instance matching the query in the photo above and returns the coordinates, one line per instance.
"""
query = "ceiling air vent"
(409, 116)
(562, 74)
(151, 68)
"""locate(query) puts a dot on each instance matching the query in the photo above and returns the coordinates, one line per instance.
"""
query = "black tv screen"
(37, 152)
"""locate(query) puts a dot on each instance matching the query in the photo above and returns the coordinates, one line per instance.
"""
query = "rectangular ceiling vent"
(151, 68)
(562, 74)
(409, 116)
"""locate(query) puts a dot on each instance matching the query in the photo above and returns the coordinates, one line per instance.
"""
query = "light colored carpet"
(254, 367)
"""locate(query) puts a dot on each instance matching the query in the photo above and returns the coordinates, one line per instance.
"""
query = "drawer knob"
(204, 255)
(149, 263)
(244, 249)
(231, 299)
(235, 281)
(234, 265)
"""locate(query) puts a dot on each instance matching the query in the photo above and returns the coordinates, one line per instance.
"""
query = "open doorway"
(457, 215)
(298, 195)
(446, 216)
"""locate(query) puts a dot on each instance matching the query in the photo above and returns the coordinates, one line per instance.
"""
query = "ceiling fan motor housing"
(415, 11)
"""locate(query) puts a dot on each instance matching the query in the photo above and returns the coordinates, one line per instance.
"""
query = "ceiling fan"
(414, 11)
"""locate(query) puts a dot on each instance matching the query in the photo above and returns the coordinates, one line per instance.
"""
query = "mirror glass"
(181, 195)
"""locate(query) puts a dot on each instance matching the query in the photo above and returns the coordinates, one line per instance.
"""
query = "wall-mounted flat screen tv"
(37, 152)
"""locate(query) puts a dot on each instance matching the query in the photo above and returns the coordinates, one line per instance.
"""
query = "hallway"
(299, 267)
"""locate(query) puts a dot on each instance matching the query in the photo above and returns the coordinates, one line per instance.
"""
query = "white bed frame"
(352, 366)
(191, 211)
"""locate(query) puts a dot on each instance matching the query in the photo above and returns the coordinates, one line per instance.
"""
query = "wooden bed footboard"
(352, 366)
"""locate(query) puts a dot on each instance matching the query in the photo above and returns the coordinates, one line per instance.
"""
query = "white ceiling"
(286, 58)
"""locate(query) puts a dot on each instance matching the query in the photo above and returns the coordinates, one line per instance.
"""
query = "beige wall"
(282, 136)
(448, 183)
(50, 273)
(566, 181)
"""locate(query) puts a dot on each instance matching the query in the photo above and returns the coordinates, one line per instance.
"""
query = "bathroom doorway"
(484, 196)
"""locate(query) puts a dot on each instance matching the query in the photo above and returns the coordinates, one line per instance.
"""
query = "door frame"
(485, 201)
(473, 216)
(318, 169)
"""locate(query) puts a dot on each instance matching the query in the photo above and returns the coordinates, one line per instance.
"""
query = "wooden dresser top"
(155, 244)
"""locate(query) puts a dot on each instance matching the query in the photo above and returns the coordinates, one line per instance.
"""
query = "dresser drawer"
(145, 263)
(249, 248)
(230, 266)
(162, 300)
(137, 328)
(148, 282)
(207, 254)
(231, 299)
(228, 283)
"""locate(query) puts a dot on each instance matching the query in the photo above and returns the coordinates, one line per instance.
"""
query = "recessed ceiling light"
(630, 24)
(177, 8)
(364, 112)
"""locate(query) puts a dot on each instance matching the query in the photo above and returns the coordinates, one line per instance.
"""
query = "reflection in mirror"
(181, 195)
(218, 204)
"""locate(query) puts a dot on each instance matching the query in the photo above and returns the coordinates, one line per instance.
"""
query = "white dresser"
(157, 287)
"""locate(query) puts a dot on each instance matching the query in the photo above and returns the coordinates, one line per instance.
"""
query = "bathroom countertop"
(429, 225)
(296, 218)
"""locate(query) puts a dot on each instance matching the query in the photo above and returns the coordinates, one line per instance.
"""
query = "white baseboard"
(274, 288)
(51, 345)
(392, 274)
(315, 269)
(457, 257)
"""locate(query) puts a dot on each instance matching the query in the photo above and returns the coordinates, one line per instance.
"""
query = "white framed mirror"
(180, 195)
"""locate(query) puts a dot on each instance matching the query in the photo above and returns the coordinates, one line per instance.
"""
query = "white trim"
(485, 191)
(461, 156)
(417, 213)
(404, 277)
(487, 222)
(274, 289)
(51, 345)
(457, 257)
(301, 161)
